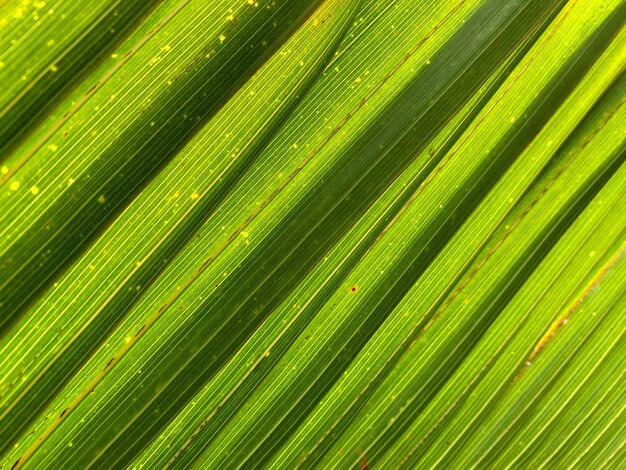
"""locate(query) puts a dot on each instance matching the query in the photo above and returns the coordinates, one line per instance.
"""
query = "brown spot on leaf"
(363, 462)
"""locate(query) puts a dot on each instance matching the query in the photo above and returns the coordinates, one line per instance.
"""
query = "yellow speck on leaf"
(53, 68)
(39, 4)
(5, 169)
(70, 181)
(267, 353)
(127, 340)
(101, 199)
(222, 38)
(34, 190)
(53, 147)
(50, 42)
(113, 56)
(195, 196)
(316, 22)
(1, 64)
(244, 234)
(14, 186)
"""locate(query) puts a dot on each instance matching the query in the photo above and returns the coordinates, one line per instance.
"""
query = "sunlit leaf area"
(325, 234)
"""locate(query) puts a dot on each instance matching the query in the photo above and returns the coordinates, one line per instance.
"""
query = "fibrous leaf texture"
(312, 234)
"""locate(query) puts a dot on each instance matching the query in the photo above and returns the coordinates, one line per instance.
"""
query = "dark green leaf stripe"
(301, 230)
(201, 86)
(407, 184)
(306, 377)
(83, 90)
(331, 234)
(33, 396)
(63, 70)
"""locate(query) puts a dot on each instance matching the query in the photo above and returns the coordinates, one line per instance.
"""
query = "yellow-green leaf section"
(330, 234)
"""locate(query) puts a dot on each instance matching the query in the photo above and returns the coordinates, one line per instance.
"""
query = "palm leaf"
(332, 234)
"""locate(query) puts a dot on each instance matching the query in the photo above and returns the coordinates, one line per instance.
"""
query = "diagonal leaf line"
(120, 168)
(547, 383)
(584, 419)
(357, 107)
(239, 229)
(64, 53)
(23, 34)
(200, 54)
(155, 248)
(130, 105)
(83, 99)
(251, 294)
(616, 418)
(121, 18)
(402, 346)
(522, 216)
(563, 403)
(112, 362)
(111, 176)
(563, 319)
(291, 322)
(92, 384)
(319, 374)
(249, 145)
(459, 436)
(105, 129)
(619, 449)
(479, 120)
(361, 33)
(387, 228)
(523, 264)
(408, 189)
(405, 194)
(487, 365)
(468, 176)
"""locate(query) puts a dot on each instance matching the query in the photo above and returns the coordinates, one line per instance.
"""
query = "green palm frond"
(318, 234)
